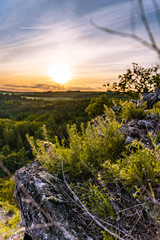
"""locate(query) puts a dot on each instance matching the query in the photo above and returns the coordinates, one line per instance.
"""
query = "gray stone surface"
(138, 129)
(48, 209)
(151, 98)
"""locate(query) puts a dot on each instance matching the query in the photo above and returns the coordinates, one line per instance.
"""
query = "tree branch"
(89, 214)
(152, 44)
(156, 6)
(122, 34)
(147, 27)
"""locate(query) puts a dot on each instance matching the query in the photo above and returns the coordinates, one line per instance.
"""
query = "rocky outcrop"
(138, 129)
(49, 211)
(151, 98)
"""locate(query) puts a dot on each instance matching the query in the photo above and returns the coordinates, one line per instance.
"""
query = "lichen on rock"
(48, 210)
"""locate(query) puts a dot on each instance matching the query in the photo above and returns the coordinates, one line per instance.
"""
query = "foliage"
(85, 150)
(96, 106)
(131, 111)
(27, 117)
(156, 109)
(107, 236)
(13, 160)
(10, 214)
(139, 80)
(9, 220)
(7, 190)
(138, 168)
(98, 200)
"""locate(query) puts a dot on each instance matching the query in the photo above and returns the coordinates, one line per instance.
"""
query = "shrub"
(96, 106)
(10, 214)
(131, 111)
(7, 190)
(85, 150)
(139, 168)
(156, 109)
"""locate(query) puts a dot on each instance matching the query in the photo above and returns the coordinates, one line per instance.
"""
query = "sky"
(44, 43)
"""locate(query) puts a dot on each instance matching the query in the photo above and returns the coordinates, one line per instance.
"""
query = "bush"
(10, 214)
(139, 168)
(7, 190)
(85, 150)
(156, 109)
(96, 106)
(131, 111)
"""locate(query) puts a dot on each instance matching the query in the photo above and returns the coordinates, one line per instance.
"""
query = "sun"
(60, 73)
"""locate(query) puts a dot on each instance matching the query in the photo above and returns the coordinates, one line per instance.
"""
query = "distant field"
(69, 95)
(47, 98)
(54, 96)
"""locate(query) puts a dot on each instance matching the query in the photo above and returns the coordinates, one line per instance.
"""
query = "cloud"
(45, 87)
(37, 34)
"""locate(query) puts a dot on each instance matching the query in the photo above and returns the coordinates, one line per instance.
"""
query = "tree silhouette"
(139, 80)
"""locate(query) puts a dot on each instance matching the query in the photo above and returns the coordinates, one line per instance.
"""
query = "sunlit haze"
(60, 73)
(50, 45)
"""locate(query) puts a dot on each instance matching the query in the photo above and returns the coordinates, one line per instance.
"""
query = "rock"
(151, 98)
(117, 109)
(134, 101)
(48, 209)
(138, 129)
(95, 121)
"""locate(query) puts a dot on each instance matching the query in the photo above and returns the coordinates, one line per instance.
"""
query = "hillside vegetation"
(118, 183)
(20, 116)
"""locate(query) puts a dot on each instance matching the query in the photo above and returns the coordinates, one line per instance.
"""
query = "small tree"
(139, 80)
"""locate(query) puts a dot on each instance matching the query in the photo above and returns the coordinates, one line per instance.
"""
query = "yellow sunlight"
(60, 73)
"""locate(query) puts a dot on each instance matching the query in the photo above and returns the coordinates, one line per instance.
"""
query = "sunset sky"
(50, 45)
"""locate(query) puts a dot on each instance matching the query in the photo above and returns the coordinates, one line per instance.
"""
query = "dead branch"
(152, 44)
(86, 210)
(147, 27)
(157, 8)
